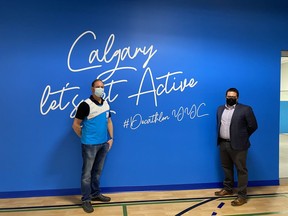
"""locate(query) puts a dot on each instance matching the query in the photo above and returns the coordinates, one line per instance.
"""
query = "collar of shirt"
(95, 101)
(230, 107)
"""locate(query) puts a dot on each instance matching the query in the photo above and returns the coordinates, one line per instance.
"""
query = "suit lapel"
(235, 112)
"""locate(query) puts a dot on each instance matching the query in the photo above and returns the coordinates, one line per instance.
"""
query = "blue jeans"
(93, 160)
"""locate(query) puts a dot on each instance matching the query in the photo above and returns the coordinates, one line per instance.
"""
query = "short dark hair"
(96, 80)
(233, 90)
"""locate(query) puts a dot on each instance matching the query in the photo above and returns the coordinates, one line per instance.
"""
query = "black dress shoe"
(87, 207)
(101, 198)
(239, 201)
(223, 192)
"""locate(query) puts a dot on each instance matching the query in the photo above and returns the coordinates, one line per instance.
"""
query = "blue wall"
(166, 65)
(284, 117)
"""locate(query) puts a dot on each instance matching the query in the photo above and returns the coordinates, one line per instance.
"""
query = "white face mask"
(98, 92)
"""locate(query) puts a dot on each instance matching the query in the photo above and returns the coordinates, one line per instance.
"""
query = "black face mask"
(231, 101)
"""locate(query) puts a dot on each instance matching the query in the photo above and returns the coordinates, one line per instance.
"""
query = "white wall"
(284, 79)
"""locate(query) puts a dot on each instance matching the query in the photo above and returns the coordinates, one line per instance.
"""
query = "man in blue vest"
(236, 123)
(94, 126)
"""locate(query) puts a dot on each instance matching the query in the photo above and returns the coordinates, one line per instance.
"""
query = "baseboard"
(76, 191)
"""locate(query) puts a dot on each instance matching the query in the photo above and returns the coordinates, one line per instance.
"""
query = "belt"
(225, 140)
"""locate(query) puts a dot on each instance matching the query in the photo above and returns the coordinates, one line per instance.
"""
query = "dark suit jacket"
(243, 124)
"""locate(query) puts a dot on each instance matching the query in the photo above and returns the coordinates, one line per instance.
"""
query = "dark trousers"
(229, 158)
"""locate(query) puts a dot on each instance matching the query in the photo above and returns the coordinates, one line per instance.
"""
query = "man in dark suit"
(236, 123)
